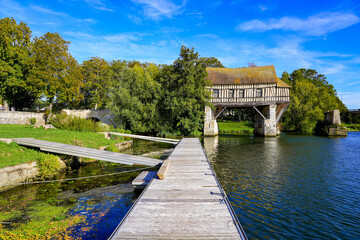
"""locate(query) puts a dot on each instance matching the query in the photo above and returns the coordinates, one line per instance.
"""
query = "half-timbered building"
(256, 87)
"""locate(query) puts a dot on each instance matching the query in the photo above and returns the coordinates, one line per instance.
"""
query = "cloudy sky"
(322, 35)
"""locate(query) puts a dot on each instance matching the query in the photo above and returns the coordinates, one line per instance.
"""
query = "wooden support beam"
(259, 112)
(218, 111)
(163, 169)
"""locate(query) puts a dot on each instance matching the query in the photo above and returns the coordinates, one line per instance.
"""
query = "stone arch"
(94, 119)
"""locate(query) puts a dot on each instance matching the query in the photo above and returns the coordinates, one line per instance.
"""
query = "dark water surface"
(291, 187)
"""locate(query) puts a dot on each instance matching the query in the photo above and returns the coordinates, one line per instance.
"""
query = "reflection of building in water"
(210, 146)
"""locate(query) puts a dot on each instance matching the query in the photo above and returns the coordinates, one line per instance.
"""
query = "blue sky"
(321, 35)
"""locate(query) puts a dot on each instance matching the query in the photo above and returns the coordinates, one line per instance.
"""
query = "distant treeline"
(144, 97)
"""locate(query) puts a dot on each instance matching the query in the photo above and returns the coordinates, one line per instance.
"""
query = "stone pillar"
(265, 125)
(333, 117)
(210, 124)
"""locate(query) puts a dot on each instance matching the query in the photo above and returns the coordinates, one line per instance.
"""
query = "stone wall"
(17, 173)
(12, 117)
(103, 115)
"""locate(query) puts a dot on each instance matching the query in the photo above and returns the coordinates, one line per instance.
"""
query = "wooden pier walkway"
(188, 203)
(78, 151)
(156, 139)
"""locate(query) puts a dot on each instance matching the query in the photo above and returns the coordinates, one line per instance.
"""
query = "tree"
(184, 94)
(311, 96)
(133, 98)
(211, 62)
(58, 72)
(97, 76)
(15, 49)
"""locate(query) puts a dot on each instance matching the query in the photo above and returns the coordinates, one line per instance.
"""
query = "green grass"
(352, 127)
(13, 154)
(84, 139)
(236, 127)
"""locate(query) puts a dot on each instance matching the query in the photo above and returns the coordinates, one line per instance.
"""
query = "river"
(286, 187)
(291, 186)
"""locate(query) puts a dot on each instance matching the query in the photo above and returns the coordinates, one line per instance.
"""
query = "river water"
(291, 186)
(286, 187)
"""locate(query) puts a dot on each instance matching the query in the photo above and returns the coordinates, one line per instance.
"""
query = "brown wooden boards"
(188, 203)
(163, 169)
(78, 151)
(143, 179)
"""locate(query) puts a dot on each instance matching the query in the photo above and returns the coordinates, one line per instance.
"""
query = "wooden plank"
(156, 139)
(163, 169)
(188, 203)
(78, 151)
(143, 179)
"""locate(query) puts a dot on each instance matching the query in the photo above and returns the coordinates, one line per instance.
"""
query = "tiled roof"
(250, 75)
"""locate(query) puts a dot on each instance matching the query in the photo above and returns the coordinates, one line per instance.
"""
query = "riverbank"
(19, 164)
(234, 127)
(352, 127)
(84, 139)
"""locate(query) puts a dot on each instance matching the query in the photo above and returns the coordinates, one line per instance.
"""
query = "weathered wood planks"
(143, 179)
(78, 151)
(188, 203)
(155, 139)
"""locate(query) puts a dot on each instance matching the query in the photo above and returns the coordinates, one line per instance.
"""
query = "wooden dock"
(78, 151)
(155, 139)
(188, 203)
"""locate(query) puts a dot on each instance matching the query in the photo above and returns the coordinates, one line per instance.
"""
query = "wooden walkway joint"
(188, 203)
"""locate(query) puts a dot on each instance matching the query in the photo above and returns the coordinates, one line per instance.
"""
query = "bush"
(48, 166)
(32, 121)
(112, 148)
(63, 121)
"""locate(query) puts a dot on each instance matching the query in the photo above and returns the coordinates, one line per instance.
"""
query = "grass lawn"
(352, 127)
(236, 127)
(84, 139)
(13, 154)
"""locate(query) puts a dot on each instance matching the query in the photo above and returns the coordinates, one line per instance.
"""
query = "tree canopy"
(311, 96)
(15, 51)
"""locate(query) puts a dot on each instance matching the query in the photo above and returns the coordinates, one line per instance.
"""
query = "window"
(259, 92)
(215, 93)
(231, 93)
(241, 93)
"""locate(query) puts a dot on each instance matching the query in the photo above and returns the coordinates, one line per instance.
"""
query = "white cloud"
(124, 46)
(351, 99)
(262, 8)
(156, 9)
(316, 25)
(99, 5)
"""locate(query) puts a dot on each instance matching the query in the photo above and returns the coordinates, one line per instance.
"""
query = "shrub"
(63, 121)
(33, 121)
(48, 166)
(112, 148)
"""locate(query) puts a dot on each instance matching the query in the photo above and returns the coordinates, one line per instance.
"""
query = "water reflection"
(210, 146)
(291, 186)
